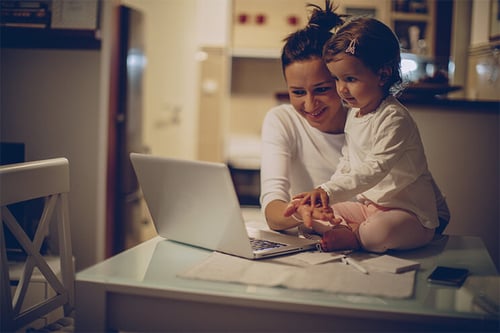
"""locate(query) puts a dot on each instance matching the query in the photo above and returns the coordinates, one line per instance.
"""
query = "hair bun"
(325, 19)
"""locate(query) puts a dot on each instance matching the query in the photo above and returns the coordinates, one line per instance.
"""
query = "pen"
(355, 264)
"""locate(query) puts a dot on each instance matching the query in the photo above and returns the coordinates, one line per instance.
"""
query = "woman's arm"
(275, 218)
(275, 169)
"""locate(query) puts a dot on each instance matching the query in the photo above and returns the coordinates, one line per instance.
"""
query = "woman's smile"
(315, 115)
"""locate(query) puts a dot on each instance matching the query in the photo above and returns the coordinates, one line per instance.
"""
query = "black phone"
(450, 276)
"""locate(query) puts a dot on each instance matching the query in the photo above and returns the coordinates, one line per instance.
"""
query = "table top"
(151, 268)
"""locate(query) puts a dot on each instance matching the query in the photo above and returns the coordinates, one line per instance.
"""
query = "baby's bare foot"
(339, 237)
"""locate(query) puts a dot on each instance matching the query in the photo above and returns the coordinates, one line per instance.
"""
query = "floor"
(66, 324)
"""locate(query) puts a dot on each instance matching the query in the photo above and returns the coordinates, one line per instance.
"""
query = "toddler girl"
(383, 163)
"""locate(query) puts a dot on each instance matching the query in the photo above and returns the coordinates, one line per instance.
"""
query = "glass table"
(139, 290)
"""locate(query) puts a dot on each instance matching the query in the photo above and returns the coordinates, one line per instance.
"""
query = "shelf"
(422, 14)
(256, 53)
(400, 16)
(45, 38)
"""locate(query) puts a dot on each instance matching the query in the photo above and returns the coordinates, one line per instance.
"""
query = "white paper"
(304, 259)
(332, 277)
(391, 264)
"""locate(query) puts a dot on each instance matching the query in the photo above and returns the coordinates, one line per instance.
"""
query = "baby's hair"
(307, 43)
(374, 43)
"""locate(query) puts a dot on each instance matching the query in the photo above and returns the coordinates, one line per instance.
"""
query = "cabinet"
(413, 21)
(36, 38)
(262, 24)
(50, 24)
(259, 26)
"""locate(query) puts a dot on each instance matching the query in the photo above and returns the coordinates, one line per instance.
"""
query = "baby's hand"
(304, 212)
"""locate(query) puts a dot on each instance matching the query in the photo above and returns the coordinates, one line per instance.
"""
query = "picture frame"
(494, 20)
(75, 14)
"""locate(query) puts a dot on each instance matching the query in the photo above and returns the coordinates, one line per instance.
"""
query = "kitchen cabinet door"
(263, 24)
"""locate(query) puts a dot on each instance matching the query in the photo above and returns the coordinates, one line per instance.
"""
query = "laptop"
(195, 203)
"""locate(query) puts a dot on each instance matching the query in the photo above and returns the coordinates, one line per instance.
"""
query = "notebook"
(195, 203)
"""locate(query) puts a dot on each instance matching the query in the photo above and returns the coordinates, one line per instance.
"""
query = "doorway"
(126, 211)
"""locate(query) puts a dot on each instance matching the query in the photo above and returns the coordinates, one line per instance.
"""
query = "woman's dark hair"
(371, 41)
(308, 42)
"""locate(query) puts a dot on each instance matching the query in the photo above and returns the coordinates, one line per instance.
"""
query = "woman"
(302, 141)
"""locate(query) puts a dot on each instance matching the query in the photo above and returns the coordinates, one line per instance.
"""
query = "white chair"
(48, 179)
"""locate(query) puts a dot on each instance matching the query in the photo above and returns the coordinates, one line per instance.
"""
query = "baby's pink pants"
(380, 229)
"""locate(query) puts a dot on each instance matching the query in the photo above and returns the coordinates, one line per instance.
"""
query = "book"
(23, 4)
(391, 264)
(28, 17)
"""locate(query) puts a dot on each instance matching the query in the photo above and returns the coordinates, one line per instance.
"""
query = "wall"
(50, 101)
(56, 101)
(480, 21)
(460, 38)
(213, 20)
(253, 87)
(170, 81)
(462, 149)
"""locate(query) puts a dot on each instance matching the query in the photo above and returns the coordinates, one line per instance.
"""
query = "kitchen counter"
(438, 102)
(452, 104)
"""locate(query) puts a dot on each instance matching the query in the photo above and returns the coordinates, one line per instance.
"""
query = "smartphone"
(449, 276)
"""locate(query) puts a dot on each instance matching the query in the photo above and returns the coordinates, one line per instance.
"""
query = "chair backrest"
(48, 179)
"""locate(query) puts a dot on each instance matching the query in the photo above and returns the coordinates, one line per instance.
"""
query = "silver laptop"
(195, 203)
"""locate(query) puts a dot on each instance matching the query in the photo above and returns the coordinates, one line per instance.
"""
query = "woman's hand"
(308, 214)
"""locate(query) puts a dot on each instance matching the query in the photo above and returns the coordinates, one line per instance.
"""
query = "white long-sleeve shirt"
(384, 162)
(296, 157)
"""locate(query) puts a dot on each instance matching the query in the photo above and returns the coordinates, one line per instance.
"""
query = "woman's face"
(313, 94)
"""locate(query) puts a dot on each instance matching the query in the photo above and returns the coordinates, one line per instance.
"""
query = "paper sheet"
(391, 264)
(304, 259)
(332, 277)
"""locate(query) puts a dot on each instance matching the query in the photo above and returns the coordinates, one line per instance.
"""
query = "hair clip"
(352, 46)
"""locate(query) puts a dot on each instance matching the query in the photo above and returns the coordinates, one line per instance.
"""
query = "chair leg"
(5, 294)
(65, 253)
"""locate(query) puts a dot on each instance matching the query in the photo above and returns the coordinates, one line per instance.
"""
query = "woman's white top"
(384, 162)
(295, 156)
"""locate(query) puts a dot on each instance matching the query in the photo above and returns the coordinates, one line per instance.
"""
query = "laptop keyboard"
(260, 244)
